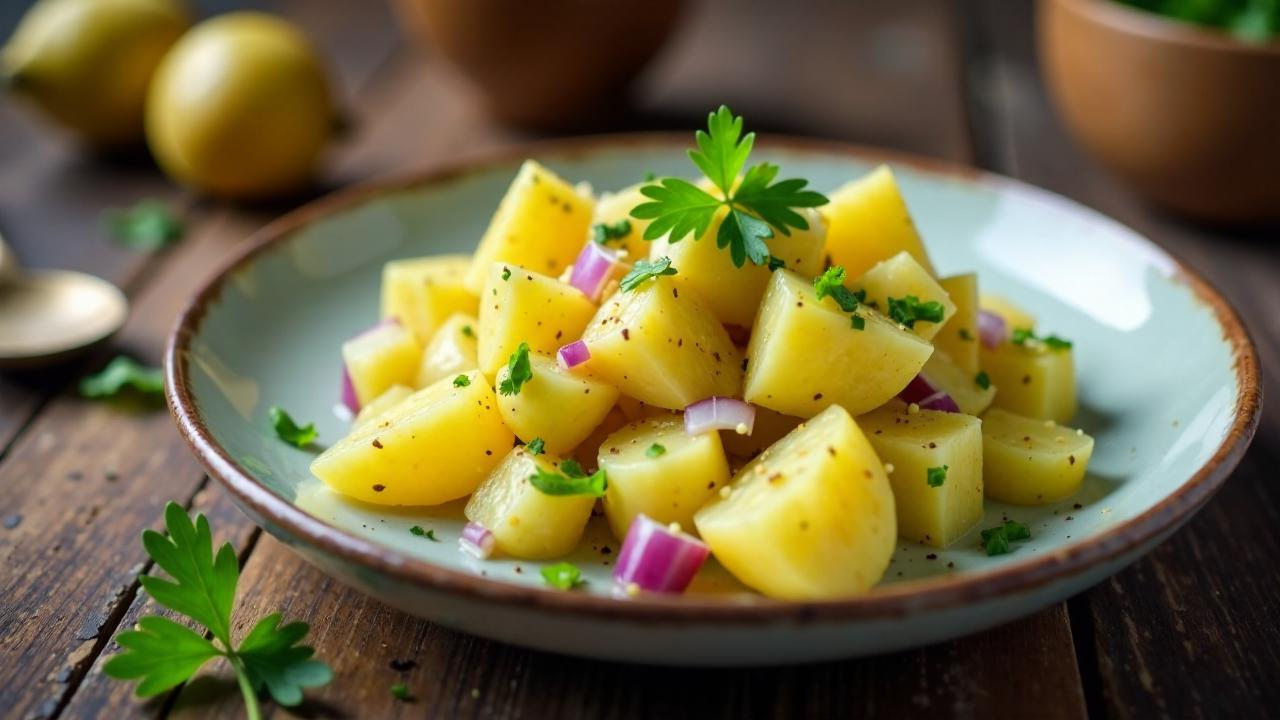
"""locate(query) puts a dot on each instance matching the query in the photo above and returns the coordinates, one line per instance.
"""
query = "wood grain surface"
(1189, 631)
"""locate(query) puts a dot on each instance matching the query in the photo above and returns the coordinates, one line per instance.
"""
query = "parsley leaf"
(121, 374)
(757, 209)
(857, 322)
(776, 263)
(400, 691)
(645, 270)
(831, 284)
(518, 371)
(562, 575)
(461, 381)
(466, 330)
(147, 226)
(163, 653)
(536, 446)
(996, 540)
(423, 532)
(1024, 336)
(655, 450)
(602, 233)
(909, 310)
(289, 431)
(983, 380)
(506, 273)
(936, 476)
(571, 480)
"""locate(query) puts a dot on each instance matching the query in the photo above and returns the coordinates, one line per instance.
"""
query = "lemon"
(240, 107)
(86, 63)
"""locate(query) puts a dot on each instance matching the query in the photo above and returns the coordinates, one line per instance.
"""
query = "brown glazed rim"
(894, 601)
(1158, 28)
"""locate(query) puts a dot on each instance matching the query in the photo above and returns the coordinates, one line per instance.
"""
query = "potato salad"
(734, 367)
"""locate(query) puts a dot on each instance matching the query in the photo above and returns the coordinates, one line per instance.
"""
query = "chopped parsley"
(602, 233)
(123, 374)
(982, 379)
(936, 476)
(996, 540)
(536, 446)
(147, 226)
(831, 283)
(466, 330)
(562, 575)
(776, 263)
(400, 691)
(655, 450)
(518, 371)
(289, 431)
(506, 273)
(645, 270)
(909, 310)
(570, 480)
(965, 335)
(461, 381)
(1024, 336)
(857, 322)
(422, 532)
(758, 207)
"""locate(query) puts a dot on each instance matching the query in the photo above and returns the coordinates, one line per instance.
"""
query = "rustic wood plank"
(1190, 630)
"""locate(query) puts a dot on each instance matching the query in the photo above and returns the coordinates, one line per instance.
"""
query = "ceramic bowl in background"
(1188, 116)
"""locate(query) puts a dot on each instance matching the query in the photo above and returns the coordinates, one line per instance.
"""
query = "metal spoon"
(46, 315)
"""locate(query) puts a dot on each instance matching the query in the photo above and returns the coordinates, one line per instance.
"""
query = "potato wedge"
(423, 292)
(526, 522)
(452, 350)
(868, 221)
(1034, 380)
(959, 336)
(1027, 461)
(378, 358)
(560, 406)
(901, 277)
(520, 305)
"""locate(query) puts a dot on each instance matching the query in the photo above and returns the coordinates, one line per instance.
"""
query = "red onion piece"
(657, 558)
(476, 541)
(992, 329)
(917, 390)
(939, 401)
(575, 353)
(349, 392)
(593, 268)
(720, 413)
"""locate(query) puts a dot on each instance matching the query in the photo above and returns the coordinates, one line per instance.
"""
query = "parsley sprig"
(163, 653)
(645, 270)
(121, 375)
(519, 371)
(758, 207)
(289, 431)
(570, 480)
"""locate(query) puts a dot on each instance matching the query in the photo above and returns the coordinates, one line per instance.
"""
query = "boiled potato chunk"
(379, 358)
(452, 350)
(526, 522)
(769, 428)
(1034, 380)
(1014, 316)
(812, 518)
(868, 221)
(899, 277)
(805, 356)
(1027, 461)
(962, 386)
(519, 305)
(613, 208)
(415, 453)
(959, 337)
(915, 442)
(381, 404)
(587, 450)
(541, 224)
(668, 485)
(422, 292)
(733, 293)
(560, 406)
(662, 346)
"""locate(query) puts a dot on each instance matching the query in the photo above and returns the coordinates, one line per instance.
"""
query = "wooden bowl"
(1189, 116)
(552, 64)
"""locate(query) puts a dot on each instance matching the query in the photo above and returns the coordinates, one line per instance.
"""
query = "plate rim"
(891, 602)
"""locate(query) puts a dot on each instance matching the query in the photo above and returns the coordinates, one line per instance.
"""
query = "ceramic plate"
(1168, 385)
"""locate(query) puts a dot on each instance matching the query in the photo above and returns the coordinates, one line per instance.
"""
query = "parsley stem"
(252, 710)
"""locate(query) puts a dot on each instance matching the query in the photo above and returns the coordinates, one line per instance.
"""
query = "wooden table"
(1190, 631)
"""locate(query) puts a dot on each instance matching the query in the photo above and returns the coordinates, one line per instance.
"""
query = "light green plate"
(1168, 385)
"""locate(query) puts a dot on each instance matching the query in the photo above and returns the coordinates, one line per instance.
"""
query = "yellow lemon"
(240, 107)
(86, 63)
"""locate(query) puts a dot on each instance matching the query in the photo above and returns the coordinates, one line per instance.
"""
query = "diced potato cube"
(770, 427)
(422, 292)
(381, 404)
(962, 386)
(733, 293)
(914, 443)
(899, 277)
(1014, 316)
(959, 337)
(612, 208)
(805, 355)
(527, 307)
(452, 350)
(379, 358)
(868, 221)
(541, 224)
(526, 522)
(560, 406)
(415, 454)
(587, 450)
(1034, 380)
(656, 468)
(811, 518)
(1027, 461)
(662, 346)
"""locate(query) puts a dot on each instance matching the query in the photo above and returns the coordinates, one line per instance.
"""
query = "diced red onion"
(939, 401)
(593, 268)
(658, 558)
(575, 353)
(349, 392)
(476, 541)
(924, 393)
(720, 413)
(992, 329)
